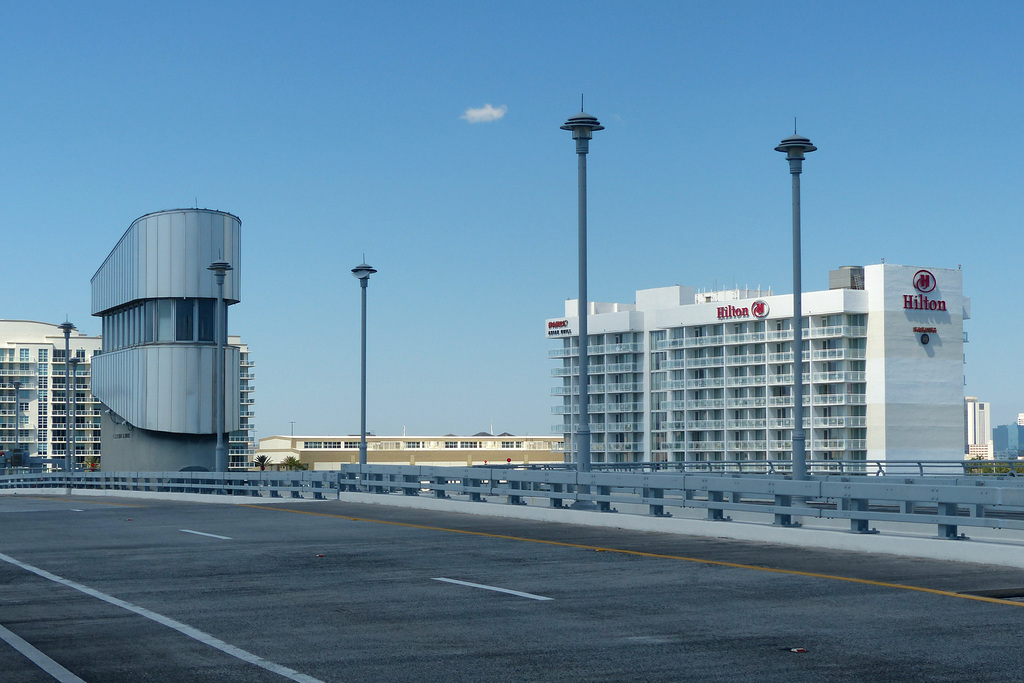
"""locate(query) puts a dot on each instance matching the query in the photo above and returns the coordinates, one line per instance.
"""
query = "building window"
(351, 444)
(185, 321)
(312, 444)
(469, 444)
(207, 315)
(414, 444)
(23, 355)
(511, 444)
(43, 355)
(451, 444)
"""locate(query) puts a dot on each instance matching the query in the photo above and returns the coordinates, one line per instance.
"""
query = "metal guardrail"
(983, 501)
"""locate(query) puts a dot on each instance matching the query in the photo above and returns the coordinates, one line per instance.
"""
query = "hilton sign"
(758, 309)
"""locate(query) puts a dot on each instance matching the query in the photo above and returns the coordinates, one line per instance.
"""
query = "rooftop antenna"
(794, 125)
(581, 102)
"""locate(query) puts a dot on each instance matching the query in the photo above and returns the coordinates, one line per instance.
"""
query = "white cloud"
(484, 114)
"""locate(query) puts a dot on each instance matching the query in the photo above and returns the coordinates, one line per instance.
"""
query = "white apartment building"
(34, 418)
(690, 376)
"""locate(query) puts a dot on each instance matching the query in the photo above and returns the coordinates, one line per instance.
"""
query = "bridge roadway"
(128, 589)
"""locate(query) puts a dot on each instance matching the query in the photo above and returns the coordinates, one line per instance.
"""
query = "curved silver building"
(155, 375)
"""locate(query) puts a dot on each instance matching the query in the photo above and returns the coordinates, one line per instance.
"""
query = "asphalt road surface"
(133, 590)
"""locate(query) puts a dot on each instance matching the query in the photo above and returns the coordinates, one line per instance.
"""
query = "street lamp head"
(66, 327)
(795, 146)
(363, 272)
(582, 125)
(220, 267)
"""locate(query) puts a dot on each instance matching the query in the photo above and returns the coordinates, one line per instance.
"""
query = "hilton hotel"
(682, 375)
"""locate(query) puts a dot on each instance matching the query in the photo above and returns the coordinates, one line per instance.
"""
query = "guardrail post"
(858, 526)
(716, 514)
(557, 502)
(947, 530)
(474, 496)
(411, 490)
(439, 483)
(515, 499)
(783, 518)
(604, 505)
(656, 510)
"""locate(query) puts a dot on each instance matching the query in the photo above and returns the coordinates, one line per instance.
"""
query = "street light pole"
(73, 364)
(362, 272)
(582, 126)
(66, 327)
(795, 146)
(220, 269)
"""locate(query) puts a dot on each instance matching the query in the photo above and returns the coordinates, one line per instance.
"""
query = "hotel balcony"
(746, 402)
(748, 359)
(751, 423)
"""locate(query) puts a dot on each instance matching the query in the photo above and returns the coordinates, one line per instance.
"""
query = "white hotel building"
(33, 417)
(686, 376)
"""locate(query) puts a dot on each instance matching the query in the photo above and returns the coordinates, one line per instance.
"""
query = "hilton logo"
(924, 281)
(759, 309)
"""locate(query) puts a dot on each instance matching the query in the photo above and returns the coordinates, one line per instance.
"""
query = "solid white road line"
(38, 658)
(184, 629)
(202, 533)
(494, 588)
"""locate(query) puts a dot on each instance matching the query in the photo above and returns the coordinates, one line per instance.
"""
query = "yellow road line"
(637, 553)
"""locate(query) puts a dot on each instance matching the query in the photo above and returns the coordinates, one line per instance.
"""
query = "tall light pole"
(582, 126)
(795, 146)
(362, 272)
(73, 364)
(66, 328)
(220, 269)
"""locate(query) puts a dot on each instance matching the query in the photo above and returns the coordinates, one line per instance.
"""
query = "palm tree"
(262, 461)
(293, 463)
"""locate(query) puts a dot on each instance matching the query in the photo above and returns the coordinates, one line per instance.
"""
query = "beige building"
(330, 452)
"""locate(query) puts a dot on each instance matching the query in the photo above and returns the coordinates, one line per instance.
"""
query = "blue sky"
(336, 129)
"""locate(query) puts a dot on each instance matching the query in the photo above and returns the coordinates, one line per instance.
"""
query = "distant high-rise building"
(978, 428)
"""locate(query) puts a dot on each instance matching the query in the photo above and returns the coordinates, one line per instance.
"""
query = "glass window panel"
(165, 319)
(185, 320)
(149, 324)
(207, 309)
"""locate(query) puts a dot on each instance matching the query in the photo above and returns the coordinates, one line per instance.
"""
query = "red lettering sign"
(554, 324)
